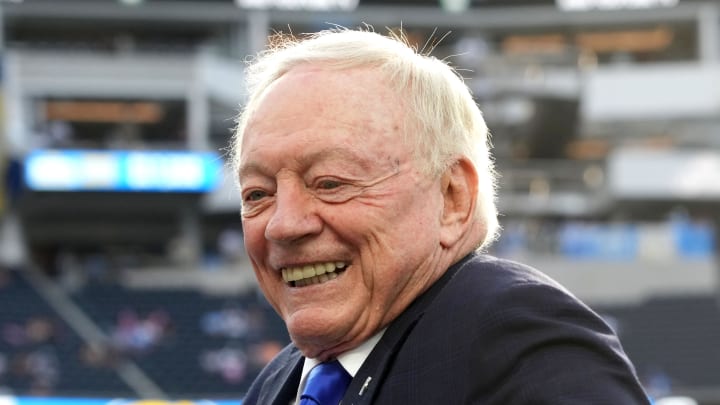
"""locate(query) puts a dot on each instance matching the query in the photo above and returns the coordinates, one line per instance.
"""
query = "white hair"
(443, 121)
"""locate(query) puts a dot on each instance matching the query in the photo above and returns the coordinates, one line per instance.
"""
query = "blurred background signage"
(134, 171)
(316, 5)
(585, 5)
(104, 111)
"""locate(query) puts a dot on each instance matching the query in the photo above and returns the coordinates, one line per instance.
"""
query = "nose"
(295, 215)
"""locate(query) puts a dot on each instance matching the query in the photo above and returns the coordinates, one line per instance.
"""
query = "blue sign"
(132, 171)
(108, 401)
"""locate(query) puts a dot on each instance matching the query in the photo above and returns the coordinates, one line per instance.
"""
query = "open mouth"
(311, 274)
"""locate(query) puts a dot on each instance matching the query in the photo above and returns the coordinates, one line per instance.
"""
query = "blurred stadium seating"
(122, 268)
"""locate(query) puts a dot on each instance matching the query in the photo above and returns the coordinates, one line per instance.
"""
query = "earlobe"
(459, 187)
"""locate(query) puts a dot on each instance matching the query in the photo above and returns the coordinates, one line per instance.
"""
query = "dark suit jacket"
(490, 331)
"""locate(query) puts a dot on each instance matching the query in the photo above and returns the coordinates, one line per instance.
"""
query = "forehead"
(310, 105)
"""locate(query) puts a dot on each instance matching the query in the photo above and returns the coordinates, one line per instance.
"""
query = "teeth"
(312, 273)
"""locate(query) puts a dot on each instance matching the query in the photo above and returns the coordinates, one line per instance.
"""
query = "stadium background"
(122, 269)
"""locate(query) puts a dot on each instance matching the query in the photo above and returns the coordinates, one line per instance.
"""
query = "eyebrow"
(336, 152)
(253, 168)
(250, 169)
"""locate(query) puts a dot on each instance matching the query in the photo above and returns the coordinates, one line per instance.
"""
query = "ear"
(459, 187)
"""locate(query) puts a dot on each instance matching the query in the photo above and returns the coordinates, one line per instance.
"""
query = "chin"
(313, 348)
(319, 346)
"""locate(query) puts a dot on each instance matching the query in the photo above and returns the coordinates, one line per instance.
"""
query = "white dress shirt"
(350, 360)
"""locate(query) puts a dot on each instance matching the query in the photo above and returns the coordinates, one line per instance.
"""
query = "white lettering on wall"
(314, 5)
(586, 5)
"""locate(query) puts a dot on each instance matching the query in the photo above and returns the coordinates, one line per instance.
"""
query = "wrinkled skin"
(326, 177)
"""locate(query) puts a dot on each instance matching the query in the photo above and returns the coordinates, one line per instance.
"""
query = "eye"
(328, 184)
(333, 190)
(255, 195)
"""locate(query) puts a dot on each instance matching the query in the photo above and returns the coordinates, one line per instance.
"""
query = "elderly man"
(367, 198)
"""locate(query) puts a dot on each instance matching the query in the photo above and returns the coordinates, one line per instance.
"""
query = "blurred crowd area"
(679, 238)
(191, 345)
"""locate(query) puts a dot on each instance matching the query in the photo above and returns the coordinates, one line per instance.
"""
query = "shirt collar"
(351, 360)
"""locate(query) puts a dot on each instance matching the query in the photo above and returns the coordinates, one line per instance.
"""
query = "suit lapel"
(280, 388)
(368, 379)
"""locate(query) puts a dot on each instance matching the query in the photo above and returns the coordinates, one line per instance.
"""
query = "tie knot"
(326, 384)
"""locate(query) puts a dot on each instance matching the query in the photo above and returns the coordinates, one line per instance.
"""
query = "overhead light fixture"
(131, 2)
(455, 6)
(589, 5)
(311, 5)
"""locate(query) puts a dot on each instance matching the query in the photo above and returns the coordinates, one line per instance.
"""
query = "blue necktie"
(326, 384)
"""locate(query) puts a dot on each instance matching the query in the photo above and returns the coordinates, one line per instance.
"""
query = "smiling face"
(341, 227)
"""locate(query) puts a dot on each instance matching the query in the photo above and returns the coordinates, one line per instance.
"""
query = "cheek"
(397, 223)
(255, 246)
(415, 231)
(418, 214)
(253, 234)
